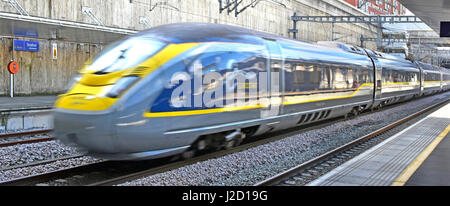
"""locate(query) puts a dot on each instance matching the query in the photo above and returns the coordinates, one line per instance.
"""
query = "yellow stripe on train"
(89, 93)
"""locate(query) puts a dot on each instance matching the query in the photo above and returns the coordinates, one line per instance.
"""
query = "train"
(178, 89)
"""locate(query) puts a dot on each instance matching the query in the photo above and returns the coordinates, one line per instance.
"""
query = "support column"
(380, 33)
(332, 31)
(11, 76)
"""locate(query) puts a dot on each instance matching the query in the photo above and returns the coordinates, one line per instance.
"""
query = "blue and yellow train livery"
(187, 87)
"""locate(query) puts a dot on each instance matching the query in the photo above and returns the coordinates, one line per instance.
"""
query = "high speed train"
(181, 88)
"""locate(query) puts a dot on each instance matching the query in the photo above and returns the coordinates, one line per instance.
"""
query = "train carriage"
(445, 78)
(181, 88)
(431, 81)
(397, 79)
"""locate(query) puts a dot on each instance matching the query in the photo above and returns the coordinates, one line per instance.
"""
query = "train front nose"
(87, 132)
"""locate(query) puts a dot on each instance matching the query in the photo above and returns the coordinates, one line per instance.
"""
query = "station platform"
(26, 103)
(418, 155)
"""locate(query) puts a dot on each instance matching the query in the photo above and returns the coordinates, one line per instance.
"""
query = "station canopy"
(16, 25)
(432, 12)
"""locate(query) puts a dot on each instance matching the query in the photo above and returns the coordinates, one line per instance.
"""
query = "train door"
(378, 72)
(275, 78)
(422, 74)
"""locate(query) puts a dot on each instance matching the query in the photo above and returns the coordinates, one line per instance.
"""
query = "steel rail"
(32, 132)
(25, 133)
(40, 162)
(28, 141)
(40, 178)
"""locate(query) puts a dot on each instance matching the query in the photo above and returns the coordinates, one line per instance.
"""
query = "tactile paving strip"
(382, 164)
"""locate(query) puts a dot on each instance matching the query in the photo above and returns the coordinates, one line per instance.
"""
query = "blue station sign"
(22, 45)
(25, 32)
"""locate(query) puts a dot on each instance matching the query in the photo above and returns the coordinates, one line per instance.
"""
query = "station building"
(379, 7)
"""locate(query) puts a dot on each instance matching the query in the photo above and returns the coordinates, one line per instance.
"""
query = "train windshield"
(125, 54)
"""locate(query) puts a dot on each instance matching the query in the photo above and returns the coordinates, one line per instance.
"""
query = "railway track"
(32, 132)
(119, 172)
(40, 162)
(107, 173)
(23, 134)
(116, 172)
(307, 169)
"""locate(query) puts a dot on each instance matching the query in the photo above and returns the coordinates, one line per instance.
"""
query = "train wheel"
(229, 144)
(355, 112)
(233, 139)
(188, 154)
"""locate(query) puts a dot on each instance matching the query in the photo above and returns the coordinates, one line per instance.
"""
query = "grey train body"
(316, 81)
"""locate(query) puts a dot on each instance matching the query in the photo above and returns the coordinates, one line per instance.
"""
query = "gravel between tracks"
(28, 153)
(258, 163)
(7, 175)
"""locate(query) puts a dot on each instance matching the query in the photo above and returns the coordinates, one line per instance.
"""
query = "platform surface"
(383, 164)
(435, 170)
(21, 103)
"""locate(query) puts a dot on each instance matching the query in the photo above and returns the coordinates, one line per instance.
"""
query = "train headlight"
(121, 86)
(72, 82)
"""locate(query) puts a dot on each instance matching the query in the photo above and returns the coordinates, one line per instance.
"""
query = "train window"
(386, 76)
(446, 77)
(432, 77)
(125, 54)
(223, 62)
(302, 77)
(365, 77)
(238, 72)
(414, 77)
(314, 74)
(298, 74)
(396, 76)
(341, 80)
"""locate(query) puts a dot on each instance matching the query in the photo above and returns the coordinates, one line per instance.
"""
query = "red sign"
(13, 67)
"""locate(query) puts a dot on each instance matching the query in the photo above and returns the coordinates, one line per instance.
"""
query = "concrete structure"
(23, 113)
(432, 12)
(40, 74)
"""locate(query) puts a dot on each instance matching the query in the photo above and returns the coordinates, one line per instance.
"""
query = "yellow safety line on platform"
(411, 169)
